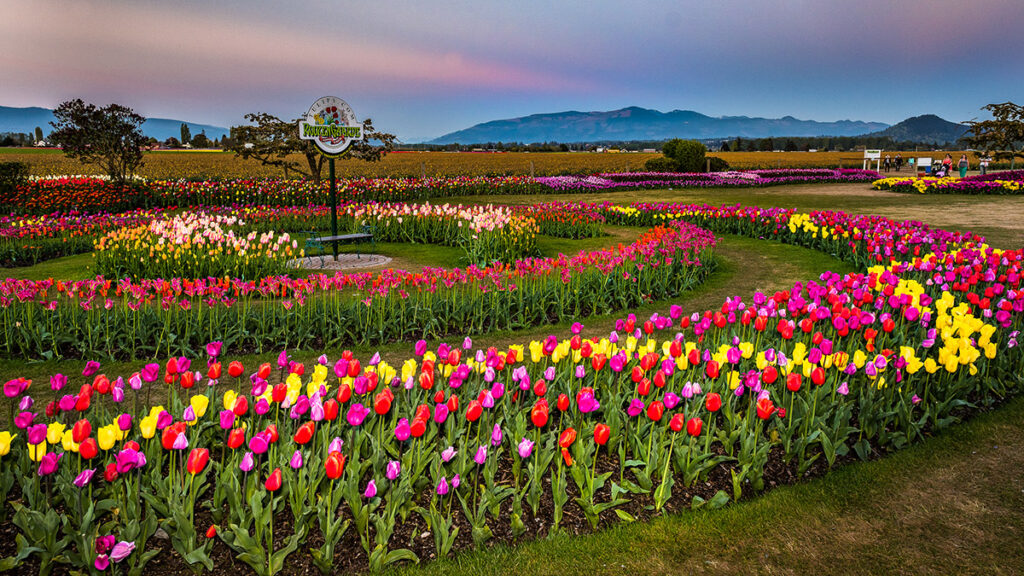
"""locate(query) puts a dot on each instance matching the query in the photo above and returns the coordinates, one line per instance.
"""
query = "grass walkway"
(950, 505)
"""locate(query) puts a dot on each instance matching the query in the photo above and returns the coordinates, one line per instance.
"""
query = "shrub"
(661, 165)
(11, 175)
(688, 154)
(718, 164)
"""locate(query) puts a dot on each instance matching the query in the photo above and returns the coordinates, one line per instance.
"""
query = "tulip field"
(201, 405)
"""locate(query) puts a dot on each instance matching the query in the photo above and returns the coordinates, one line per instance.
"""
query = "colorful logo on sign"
(331, 125)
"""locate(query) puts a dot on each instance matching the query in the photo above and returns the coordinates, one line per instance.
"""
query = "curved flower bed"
(346, 458)
(143, 317)
(28, 240)
(751, 178)
(193, 245)
(996, 183)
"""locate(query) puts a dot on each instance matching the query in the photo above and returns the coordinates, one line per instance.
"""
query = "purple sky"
(421, 69)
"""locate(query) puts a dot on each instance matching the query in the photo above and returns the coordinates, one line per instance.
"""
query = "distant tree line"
(789, 144)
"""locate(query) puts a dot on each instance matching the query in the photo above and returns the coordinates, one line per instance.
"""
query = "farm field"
(172, 165)
(859, 508)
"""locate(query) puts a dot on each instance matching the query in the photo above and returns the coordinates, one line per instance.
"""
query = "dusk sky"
(422, 69)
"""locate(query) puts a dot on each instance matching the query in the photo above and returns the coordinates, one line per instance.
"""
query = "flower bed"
(83, 193)
(752, 178)
(345, 459)
(193, 245)
(141, 317)
(997, 183)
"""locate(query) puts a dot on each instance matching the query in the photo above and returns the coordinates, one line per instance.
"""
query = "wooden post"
(709, 165)
(531, 168)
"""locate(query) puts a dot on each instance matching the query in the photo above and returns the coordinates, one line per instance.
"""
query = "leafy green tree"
(1003, 135)
(186, 134)
(39, 134)
(201, 141)
(688, 154)
(109, 137)
(274, 142)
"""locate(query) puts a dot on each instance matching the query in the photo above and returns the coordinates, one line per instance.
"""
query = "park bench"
(318, 242)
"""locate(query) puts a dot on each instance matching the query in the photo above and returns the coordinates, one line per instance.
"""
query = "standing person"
(899, 162)
(888, 163)
(962, 165)
(983, 164)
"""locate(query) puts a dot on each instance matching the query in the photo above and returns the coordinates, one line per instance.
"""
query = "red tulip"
(637, 374)
(644, 387)
(381, 403)
(694, 357)
(188, 379)
(601, 434)
(793, 381)
(354, 369)
(765, 408)
(305, 433)
(272, 430)
(331, 410)
(453, 404)
(214, 372)
(241, 406)
(677, 422)
(539, 413)
(279, 392)
(567, 437)
(236, 438)
(473, 411)
(540, 387)
(110, 473)
(334, 465)
(211, 532)
(418, 428)
(675, 349)
(235, 369)
(80, 431)
(769, 375)
(263, 372)
(713, 402)
(694, 426)
(597, 362)
(818, 375)
(197, 460)
(655, 410)
(344, 393)
(88, 448)
(566, 457)
(563, 402)
(659, 379)
(101, 383)
(168, 436)
(712, 369)
(273, 482)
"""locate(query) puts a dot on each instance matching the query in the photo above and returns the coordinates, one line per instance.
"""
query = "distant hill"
(635, 123)
(927, 128)
(25, 120)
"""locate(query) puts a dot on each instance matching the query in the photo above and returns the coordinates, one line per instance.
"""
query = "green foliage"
(109, 137)
(688, 154)
(661, 165)
(1003, 135)
(186, 134)
(11, 175)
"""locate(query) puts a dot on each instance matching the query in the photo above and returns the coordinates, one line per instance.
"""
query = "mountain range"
(636, 123)
(925, 128)
(25, 120)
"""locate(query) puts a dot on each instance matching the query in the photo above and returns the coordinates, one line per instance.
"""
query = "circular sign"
(331, 125)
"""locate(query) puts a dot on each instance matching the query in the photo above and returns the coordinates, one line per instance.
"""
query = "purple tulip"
(24, 419)
(580, 371)
(259, 443)
(549, 373)
(455, 482)
(587, 403)
(13, 387)
(636, 407)
(135, 381)
(48, 464)
(481, 455)
(843, 389)
(150, 372)
(371, 490)
(525, 448)
(496, 435)
(915, 399)
(189, 415)
(180, 442)
(247, 463)
(498, 390)
(259, 387)
(300, 408)
(356, 414)
(442, 486)
(57, 382)
(67, 402)
(102, 562)
(84, 478)
(282, 359)
(37, 434)
(421, 347)
(25, 403)
(671, 401)
(262, 406)
(126, 460)
(121, 551)
(448, 454)
(375, 359)
(296, 460)
(393, 469)
(440, 413)
(227, 419)
(402, 430)
(213, 349)
(124, 422)
(335, 445)
(90, 368)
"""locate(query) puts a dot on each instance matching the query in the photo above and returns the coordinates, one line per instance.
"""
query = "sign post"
(332, 126)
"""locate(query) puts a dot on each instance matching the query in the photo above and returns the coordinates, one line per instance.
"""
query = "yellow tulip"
(37, 451)
(67, 442)
(54, 432)
(148, 427)
(199, 404)
(5, 442)
(107, 436)
(230, 397)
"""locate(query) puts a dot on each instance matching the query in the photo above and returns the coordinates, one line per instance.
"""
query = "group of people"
(889, 162)
(945, 168)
